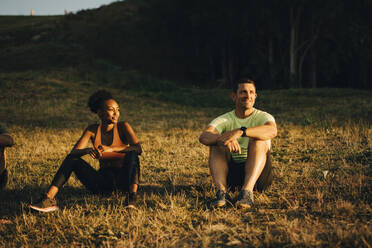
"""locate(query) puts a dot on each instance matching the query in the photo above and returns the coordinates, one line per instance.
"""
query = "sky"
(48, 7)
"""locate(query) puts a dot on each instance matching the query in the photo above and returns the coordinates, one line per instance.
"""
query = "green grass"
(321, 132)
(22, 23)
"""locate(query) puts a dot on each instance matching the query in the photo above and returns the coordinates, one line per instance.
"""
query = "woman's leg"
(130, 173)
(90, 178)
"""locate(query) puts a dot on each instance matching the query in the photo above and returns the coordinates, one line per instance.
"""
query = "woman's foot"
(131, 200)
(44, 204)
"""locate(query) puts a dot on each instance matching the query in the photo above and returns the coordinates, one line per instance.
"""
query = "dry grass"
(321, 196)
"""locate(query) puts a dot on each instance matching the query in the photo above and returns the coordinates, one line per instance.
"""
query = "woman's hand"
(95, 153)
(103, 148)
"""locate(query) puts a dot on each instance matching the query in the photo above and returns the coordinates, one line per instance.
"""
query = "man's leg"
(266, 177)
(257, 155)
(218, 164)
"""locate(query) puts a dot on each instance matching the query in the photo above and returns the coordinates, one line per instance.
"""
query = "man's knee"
(259, 145)
(219, 152)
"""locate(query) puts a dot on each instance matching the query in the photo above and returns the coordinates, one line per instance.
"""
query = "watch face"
(243, 129)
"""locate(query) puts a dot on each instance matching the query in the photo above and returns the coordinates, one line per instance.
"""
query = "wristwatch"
(243, 129)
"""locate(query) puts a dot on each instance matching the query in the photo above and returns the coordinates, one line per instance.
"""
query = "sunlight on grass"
(321, 195)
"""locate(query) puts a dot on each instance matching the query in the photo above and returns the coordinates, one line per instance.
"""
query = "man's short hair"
(242, 81)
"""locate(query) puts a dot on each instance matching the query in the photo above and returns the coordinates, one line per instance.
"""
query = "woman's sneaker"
(131, 200)
(45, 204)
(245, 199)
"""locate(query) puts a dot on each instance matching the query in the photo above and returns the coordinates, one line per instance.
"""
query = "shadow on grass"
(14, 201)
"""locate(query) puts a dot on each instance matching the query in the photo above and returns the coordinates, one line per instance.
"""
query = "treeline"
(280, 44)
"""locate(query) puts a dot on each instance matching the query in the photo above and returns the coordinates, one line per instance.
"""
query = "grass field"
(322, 156)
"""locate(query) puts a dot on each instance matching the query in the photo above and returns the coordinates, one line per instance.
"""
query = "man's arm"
(211, 137)
(264, 132)
(6, 140)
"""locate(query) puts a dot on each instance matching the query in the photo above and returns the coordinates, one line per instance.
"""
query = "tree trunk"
(271, 61)
(292, 50)
(313, 69)
(224, 66)
(212, 66)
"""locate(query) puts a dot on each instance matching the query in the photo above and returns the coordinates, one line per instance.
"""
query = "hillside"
(322, 156)
(208, 44)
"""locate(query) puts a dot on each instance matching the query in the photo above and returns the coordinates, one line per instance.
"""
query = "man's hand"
(234, 146)
(228, 137)
(230, 140)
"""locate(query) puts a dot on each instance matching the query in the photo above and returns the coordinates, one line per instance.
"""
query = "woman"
(116, 147)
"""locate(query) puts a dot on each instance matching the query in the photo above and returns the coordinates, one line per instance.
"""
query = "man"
(5, 141)
(239, 144)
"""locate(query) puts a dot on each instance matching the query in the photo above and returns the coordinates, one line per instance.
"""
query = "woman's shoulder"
(123, 124)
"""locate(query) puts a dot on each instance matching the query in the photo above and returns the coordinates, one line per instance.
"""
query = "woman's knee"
(132, 157)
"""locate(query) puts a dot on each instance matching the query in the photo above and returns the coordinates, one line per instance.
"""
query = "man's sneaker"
(245, 199)
(44, 204)
(131, 200)
(221, 198)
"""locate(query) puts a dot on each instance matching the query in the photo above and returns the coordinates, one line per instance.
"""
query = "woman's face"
(110, 112)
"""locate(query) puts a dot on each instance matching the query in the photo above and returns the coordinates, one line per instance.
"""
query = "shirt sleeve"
(265, 117)
(219, 124)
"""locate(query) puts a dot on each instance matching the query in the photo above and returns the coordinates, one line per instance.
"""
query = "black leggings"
(105, 179)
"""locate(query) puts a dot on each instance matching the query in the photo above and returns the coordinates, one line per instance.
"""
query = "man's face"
(245, 96)
(110, 112)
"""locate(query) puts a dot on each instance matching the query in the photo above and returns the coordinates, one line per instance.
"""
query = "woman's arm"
(81, 147)
(134, 144)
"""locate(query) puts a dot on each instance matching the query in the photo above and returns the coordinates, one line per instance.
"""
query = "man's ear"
(233, 95)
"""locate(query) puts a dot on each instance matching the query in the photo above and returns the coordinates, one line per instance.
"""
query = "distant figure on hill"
(116, 147)
(5, 141)
(240, 142)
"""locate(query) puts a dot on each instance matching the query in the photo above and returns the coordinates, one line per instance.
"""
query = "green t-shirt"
(230, 121)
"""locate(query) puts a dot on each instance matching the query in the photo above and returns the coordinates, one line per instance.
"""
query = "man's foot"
(3, 179)
(131, 200)
(221, 198)
(44, 204)
(245, 199)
